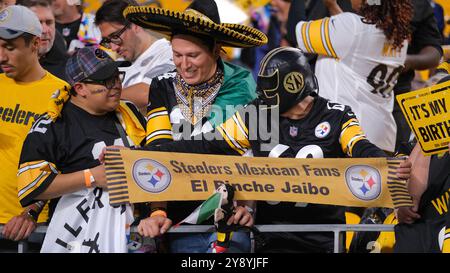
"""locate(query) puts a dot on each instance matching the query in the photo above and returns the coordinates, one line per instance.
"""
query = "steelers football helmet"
(285, 78)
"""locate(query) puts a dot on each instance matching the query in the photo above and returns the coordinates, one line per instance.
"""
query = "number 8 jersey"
(357, 66)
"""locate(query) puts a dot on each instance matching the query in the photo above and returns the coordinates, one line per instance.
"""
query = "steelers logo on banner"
(364, 182)
(151, 175)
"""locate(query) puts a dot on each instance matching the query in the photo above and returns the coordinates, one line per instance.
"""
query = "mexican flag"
(205, 210)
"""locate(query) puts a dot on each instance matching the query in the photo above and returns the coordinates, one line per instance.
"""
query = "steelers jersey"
(72, 143)
(329, 130)
(358, 67)
(444, 67)
(432, 231)
(167, 118)
(20, 105)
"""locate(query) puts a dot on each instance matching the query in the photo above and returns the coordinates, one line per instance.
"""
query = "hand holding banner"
(142, 176)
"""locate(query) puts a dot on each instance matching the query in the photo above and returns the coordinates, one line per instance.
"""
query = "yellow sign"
(142, 176)
(428, 113)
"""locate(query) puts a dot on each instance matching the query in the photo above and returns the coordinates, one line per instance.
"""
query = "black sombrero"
(201, 17)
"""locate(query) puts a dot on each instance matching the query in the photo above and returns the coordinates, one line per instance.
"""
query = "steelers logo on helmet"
(285, 78)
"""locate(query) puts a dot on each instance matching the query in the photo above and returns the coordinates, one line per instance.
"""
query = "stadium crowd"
(141, 76)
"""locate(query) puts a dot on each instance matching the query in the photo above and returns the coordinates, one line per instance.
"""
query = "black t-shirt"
(55, 60)
(69, 31)
(424, 33)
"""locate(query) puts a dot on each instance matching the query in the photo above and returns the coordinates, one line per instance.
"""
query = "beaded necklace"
(195, 101)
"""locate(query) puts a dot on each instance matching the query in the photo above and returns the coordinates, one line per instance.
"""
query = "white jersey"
(358, 67)
(84, 222)
(156, 60)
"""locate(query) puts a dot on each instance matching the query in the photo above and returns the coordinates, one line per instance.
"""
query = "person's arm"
(38, 175)
(231, 139)
(426, 40)
(137, 94)
(328, 36)
(157, 223)
(297, 13)
(427, 58)
(67, 183)
(21, 226)
(417, 185)
(333, 7)
(419, 174)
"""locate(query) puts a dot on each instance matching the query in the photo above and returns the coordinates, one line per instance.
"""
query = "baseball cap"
(17, 20)
(91, 63)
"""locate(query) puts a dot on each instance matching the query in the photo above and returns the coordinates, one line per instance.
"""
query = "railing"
(336, 229)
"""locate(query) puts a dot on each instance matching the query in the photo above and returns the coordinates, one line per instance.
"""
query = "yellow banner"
(428, 113)
(142, 176)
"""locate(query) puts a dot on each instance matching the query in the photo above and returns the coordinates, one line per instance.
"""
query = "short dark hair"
(27, 37)
(208, 41)
(34, 3)
(112, 11)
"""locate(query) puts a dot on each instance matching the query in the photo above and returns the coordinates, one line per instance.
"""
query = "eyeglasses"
(110, 82)
(114, 38)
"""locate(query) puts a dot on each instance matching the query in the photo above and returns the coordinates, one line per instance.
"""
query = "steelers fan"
(60, 157)
(425, 227)
(309, 127)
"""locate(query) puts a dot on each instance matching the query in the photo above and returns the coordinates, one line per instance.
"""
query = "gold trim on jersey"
(445, 66)
(351, 133)
(305, 38)
(235, 133)
(36, 172)
(328, 39)
(158, 125)
(446, 242)
(316, 37)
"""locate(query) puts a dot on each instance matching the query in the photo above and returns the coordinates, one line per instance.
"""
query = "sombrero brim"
(166, 21)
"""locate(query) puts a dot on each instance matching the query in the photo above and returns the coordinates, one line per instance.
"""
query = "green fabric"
(238, 88)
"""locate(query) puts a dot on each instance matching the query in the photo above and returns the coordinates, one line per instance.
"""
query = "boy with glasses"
(60, 157)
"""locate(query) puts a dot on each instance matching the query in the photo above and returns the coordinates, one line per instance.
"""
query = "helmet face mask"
(285, 78)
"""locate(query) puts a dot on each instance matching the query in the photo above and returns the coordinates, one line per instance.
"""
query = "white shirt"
(85, 222)
(156, 60)
(356, 67)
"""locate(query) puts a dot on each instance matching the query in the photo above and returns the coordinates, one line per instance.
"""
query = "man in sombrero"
(193, 99)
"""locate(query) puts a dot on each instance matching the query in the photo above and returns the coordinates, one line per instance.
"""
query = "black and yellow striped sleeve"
(446, 243)
(443, 68)
(229, 138)
(353, 141)
(315, 37)
(158, 125)
(351, 133)
(235, 132)
(33, 178)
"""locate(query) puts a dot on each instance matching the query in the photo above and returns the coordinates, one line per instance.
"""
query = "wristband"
(158, 212)
(33, 214)
(88, 178)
